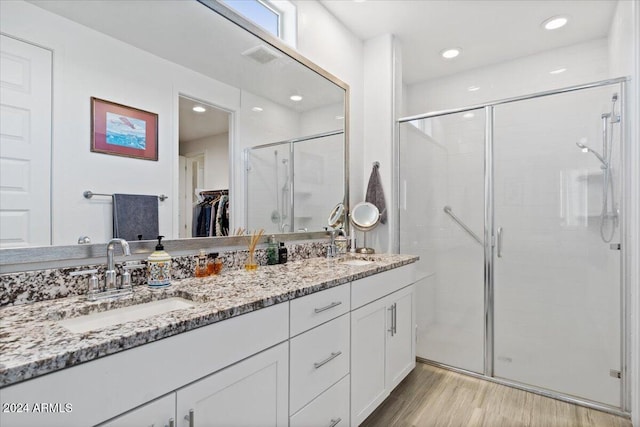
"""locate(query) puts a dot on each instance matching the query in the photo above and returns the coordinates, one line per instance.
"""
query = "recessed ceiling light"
(468, 115)
(451, 53)
(473, 88)
(199, 109)
(555, 22)
(339, 117)
(295, 98)
(257, 109)
(558, 71)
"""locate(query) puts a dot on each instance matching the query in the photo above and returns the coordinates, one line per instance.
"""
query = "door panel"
(442, 164)
(25, 144)
(556, 283)
(252, 393)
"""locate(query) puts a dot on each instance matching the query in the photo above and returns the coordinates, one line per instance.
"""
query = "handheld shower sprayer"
(586, 149)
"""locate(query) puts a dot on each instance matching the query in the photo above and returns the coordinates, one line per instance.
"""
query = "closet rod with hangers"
(213, 192)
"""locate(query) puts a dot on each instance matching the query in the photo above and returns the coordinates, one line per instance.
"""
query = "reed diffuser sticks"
(253, 242)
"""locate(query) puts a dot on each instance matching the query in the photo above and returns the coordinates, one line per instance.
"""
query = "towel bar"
(89, 194)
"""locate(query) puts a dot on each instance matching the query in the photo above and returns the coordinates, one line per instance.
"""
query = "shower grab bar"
(447, 210)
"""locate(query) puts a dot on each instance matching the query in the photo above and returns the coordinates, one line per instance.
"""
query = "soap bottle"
(159, 267)
(282, 254)
(214, 264)
(201, 264)
(273, 256)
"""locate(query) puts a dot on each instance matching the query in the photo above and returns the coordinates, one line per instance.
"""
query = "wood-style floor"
(432, 396)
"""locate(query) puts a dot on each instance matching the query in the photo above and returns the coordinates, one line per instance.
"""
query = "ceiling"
(195, 125)
(488, 31)
(189, 34)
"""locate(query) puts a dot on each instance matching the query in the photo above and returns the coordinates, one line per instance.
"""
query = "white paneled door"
(25, 144)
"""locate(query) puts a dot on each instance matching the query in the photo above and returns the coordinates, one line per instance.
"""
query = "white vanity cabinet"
(325, 359)
(253, 392)
(159, 413)
(382, 338)
(320, 358)
(110, 387)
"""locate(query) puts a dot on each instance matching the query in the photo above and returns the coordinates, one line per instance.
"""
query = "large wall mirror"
(280, 162)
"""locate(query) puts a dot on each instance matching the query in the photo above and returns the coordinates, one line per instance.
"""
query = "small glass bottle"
(282, 254)
(201, 264)
(272, 251)
(214, 264)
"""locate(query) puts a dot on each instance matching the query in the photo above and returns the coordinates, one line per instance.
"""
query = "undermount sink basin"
(356, 262)
(117, 316)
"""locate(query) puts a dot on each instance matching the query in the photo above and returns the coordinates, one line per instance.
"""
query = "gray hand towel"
(375, 194)
(135, 215)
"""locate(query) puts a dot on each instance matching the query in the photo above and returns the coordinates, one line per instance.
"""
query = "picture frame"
(121, 130)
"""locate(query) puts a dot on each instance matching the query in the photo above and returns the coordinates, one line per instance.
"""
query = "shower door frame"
(489, 244)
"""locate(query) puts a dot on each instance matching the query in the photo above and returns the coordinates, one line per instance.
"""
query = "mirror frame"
(42, 257)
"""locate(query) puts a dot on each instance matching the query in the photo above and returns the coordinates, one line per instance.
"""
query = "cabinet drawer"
(318, 359)
(371, 288)
(312, 310)
(330, 409)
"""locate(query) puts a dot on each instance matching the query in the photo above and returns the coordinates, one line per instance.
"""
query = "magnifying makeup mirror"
(365, 217)
(336, 217)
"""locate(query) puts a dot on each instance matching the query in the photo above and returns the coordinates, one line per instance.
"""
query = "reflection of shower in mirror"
(609, 212)
(279, 214)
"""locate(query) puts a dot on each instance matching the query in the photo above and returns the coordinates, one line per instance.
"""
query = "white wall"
(325, 41)
(585, 62)
(379, 101)
(116, 72)
(216, 158)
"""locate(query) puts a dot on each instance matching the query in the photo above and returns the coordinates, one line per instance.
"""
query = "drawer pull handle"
(327, 360)
(191, 418)
(335, 422)
(333, 304)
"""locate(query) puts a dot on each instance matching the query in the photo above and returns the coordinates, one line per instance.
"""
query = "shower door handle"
(499, 243)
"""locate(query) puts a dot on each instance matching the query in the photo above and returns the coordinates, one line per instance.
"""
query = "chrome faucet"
(110, 274)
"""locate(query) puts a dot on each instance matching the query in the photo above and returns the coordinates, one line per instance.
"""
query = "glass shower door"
(442, 220)
(556, 281)
(268, 183)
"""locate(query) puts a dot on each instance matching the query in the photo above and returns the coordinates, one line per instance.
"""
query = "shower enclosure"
(293, 185)
(514, 209)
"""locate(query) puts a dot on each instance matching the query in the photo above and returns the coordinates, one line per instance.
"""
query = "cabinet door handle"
(333, 304)
(325, 361)
(499, 243)
(335, 422)
(393, 311)
(395, 318)
(190, 418)
(172, 422)
(391, 326)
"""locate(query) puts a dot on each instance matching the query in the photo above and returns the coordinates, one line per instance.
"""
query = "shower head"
(586, 149)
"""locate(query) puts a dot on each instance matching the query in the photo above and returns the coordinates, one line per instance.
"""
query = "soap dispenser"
(159, 267)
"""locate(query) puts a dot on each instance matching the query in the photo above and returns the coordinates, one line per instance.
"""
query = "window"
(277, 17)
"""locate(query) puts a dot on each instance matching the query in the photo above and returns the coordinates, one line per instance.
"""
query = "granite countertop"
(33, 343)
